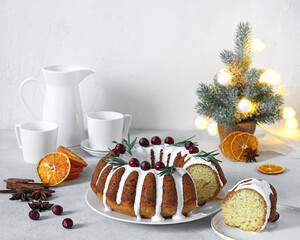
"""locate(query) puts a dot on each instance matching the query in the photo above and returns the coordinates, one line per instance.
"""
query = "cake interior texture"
(246, 210)
(206, 182)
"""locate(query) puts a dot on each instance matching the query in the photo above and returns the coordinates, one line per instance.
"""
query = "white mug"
(36, 139)
(105, 127)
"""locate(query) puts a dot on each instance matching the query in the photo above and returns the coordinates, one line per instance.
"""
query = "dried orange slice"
(74, 158)
(270, 169)
(53, 168)
(226, 144)
(72, 176)
(240, 143)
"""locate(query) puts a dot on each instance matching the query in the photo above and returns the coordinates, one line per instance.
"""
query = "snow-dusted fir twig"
(219, 102)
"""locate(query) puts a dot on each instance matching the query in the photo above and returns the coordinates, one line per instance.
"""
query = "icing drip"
(159, 192)
(260, 186)
(138, 193)
(179, 189)
(101, 173)
(111, 173)
(125, 175)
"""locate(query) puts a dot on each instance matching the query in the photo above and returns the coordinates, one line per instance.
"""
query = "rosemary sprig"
(127, 144)
(167, 171)
(182, 143)
(208, 156)
(116, 162)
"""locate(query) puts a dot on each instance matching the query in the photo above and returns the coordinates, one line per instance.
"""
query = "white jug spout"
(84, 73)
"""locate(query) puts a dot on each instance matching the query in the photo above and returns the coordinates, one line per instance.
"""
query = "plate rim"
(136, 221)
(89, 148)
(226, 237)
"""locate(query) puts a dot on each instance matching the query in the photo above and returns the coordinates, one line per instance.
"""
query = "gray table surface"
(14, 221)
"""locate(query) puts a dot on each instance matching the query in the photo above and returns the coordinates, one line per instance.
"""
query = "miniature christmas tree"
(240, 94)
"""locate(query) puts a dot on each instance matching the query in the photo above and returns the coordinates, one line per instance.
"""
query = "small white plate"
(97, 205)
(85, 145)
(287, 227)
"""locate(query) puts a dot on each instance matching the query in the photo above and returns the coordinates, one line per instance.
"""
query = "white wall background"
(148, 55)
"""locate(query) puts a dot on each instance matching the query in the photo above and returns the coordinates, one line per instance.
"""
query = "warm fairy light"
(245, 106)
(224, 78)
(281, 90)
(213, 129)
(291, 123)
(270, 77)
(258, 45)
(201, 122)
(288, 113)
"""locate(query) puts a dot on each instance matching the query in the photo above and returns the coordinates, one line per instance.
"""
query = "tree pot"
(224, 130)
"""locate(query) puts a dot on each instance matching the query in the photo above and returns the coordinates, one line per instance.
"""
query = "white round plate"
(97, 205)
(85, 146)
(287, 227)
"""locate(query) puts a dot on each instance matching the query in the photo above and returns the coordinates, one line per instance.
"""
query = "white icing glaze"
(111, 173)
(144, 154)
(159, 196)
(101, 173)
(177, 175)
(260, 186)
(122, 183)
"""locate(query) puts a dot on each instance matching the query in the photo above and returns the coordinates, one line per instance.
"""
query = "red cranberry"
(193, 150)
(134, 162)
(276, 217)
(144, 142)
(34, 215)
(57, 209)
(145, 165)
(188, 145)
(159, 165)
(121, 148)
(114, 153)
(67, 223)
(169, 140)
(155, 140)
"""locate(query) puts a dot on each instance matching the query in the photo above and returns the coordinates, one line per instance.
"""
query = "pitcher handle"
(18, 135)
(27, 80)
(127, 123)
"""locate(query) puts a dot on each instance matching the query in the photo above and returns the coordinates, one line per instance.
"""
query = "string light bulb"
(291, 123)
(224, 77)
(271, 77)
(245, 106)
(213, 129)
(288, 113)
(258, 45)
(281, 90)
(201, 123)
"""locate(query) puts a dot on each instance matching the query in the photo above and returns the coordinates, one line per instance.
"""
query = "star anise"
(251, 155)
(41, 194)
(20, 194)
(40, 205)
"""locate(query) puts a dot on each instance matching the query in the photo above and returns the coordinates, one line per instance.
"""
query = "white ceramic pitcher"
(62, 103)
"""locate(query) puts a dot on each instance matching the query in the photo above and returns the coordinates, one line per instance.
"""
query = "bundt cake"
(130, 184)
(250, 205)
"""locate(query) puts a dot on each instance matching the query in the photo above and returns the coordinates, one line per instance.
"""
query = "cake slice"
(250, 205)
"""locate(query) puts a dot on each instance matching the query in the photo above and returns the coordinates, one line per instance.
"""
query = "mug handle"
(17, 131)
(26, 81)
(127, 123)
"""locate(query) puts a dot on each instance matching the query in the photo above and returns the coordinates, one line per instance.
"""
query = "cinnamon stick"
(18, 180)
(8, 191)
(29, 186)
